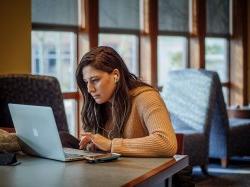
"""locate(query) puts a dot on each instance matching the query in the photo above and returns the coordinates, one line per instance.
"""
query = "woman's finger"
(84, 141)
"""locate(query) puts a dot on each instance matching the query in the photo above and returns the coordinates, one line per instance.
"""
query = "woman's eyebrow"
(91, 77)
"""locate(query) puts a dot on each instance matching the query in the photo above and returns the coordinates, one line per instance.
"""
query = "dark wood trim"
(82, 13)
(245, 51)
(188, 63)
(197, 39)
(174, 33)
(202, 30)
(226, 84)
(119, 31)
(153, 32)
(218, 35)
(138, 56)
(148, 43)
(228, 70)
(71, 95)
(238, 54)
(54, 27)
(91, 9)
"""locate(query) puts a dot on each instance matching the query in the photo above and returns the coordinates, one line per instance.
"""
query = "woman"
(121, 113)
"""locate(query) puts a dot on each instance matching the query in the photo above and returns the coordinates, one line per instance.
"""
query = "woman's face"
(100, 84)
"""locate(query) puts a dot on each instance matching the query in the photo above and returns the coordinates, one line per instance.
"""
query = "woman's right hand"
(85, 140)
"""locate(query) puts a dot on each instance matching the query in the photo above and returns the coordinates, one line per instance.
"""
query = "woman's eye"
(95, 80)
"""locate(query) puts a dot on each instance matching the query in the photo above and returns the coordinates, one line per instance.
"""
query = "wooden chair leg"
(224, 162)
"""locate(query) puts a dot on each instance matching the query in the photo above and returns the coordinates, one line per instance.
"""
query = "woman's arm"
(161, 139)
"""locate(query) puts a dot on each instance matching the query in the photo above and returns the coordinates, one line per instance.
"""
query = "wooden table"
(124, 172)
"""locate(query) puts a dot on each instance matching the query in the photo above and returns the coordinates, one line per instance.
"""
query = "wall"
(15, 36)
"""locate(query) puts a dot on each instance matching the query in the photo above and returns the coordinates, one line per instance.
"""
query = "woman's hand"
(101, 142)
(98, 140)
(85, 140)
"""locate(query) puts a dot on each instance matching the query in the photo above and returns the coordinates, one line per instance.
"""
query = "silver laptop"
(37, 131)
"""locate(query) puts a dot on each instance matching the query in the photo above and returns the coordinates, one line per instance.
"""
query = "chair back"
(220, 124)
(32, 90)
(189, 96)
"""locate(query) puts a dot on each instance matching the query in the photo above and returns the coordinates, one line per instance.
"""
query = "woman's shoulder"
(143, 91)
(146, 99)
(139, 90)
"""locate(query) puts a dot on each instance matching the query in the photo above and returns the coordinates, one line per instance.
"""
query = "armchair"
(189, 96)
(229, 136)
(33, 90)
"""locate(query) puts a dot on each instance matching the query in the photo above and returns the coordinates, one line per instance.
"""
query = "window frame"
(147, 41)
(64, 28)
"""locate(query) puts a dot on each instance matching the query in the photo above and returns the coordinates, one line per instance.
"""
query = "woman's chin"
(99, 101)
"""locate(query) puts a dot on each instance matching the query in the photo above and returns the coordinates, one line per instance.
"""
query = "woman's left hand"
(100, 141)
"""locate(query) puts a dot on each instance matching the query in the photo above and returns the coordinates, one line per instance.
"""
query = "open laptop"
(37, 131)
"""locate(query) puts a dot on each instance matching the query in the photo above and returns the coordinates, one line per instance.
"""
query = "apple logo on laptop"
(35, 132)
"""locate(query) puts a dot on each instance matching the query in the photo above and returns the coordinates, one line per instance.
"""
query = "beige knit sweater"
(148, 131)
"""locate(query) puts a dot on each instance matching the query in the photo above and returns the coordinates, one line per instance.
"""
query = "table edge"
(155, 171)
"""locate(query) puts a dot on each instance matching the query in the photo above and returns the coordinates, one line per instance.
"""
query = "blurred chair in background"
(190, 97)
(229, 136)
(32, 90)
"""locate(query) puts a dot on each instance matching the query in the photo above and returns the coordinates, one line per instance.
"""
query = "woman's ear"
(116, 74)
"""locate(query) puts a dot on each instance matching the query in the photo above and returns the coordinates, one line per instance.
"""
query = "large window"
(217, 59)
(172, 55)
(120, 30)
(54, 48)
(54, 53)
(173, 28)
(216, 43)
(125, 45)
(152, 37)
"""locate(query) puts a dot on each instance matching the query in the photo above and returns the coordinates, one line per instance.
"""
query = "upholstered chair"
(229, 136)
(32, 90)
(190, 98)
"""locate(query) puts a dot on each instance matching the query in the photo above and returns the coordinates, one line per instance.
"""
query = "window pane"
(172, 55)
(119, 14)
(125, 45)
(216, 57)
(55, 12)
(54, 54)
(70, 108)
(218, 16)
(173, 15)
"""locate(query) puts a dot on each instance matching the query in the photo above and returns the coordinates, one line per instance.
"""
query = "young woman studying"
(121, 113)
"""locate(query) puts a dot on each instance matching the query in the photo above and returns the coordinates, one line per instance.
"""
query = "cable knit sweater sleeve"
(160, 141)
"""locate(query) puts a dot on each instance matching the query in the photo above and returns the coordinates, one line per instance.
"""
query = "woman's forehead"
(89, 72)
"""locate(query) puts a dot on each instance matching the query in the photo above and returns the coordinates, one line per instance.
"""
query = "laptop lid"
(36, 128)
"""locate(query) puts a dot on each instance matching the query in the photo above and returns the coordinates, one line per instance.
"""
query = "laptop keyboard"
(69, 152)
(69, 155)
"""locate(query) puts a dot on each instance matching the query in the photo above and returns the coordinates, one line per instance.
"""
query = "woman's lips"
(96, 96)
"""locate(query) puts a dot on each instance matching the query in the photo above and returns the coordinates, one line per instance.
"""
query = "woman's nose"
(91, 88)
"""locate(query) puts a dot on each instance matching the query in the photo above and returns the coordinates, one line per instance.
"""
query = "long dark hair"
(94, 116)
